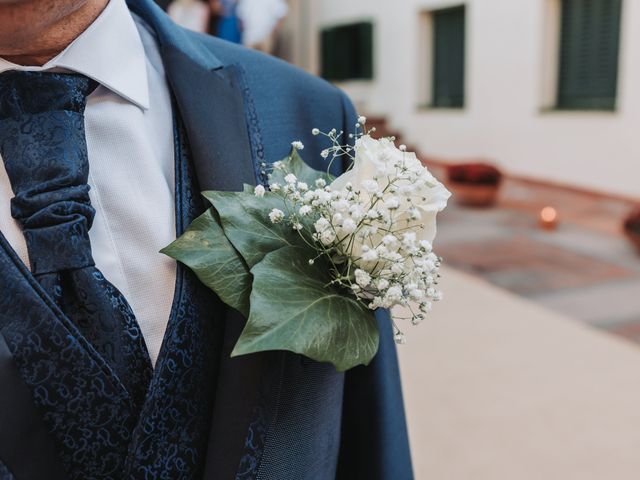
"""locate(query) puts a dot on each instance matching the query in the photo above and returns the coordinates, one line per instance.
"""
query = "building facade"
(547, 89)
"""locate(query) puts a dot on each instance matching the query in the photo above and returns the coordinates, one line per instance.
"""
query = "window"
(448, 57)
(347, 52)
(589, 44)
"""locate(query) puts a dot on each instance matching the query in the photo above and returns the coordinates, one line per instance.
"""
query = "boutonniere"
(310, 258)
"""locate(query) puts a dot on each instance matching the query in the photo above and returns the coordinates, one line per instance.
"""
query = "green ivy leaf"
(245, 220)
(205, 249)
(294, 164)
(293, 309)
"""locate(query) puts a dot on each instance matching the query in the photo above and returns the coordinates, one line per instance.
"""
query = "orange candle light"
(549, 218)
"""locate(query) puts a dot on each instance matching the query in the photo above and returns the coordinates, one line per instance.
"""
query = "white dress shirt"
(129, 131)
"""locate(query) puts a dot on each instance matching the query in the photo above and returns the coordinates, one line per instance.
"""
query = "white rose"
(421, 195)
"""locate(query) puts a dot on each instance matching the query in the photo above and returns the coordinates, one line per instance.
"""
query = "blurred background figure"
(192, 14)
(224, 20)
(261, 20)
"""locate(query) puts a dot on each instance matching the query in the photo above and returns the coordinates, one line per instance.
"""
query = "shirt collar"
(110, 51)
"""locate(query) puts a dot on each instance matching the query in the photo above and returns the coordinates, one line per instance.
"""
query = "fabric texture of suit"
(274, 415)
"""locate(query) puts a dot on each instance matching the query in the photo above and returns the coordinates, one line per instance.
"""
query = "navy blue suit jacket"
(276, 415)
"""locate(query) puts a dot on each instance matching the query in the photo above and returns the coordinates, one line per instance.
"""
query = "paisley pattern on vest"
(171, 437)
(100, 431)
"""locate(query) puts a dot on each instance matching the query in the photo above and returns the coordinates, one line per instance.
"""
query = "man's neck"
(58, 35)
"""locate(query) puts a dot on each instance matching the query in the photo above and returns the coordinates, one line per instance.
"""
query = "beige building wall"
(510, 80)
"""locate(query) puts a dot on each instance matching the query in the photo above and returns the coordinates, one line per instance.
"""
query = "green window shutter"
(448, 57)
(347, 52)
(589, 45)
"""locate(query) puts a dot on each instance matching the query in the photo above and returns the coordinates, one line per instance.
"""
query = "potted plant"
(632, 228)
(474, 184)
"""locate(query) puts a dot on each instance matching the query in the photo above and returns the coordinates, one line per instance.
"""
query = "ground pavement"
(500, 388)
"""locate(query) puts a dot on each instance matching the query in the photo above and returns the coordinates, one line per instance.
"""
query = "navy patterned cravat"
(43, 145)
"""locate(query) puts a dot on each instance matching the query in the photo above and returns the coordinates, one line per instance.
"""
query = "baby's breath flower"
(276, 215)
(327, 237)
(362, 278)
(348, 226)
(416, 294)
(315, 131)
(321, 183)
(290, 178)
(305, 210)
(373, 214)
(259, 191)
(298, 145)
(392, 203)
(370, 256)
(321, 225)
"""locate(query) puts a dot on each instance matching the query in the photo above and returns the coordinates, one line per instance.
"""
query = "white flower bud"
(362, 278)
(327, 237)
(259, 191)
(321, 225)
(373, 214)
(349, 226)
(304, 210)
(416, 294)
(370, 256)
(392, 203)
(315, 131)
(276, 215)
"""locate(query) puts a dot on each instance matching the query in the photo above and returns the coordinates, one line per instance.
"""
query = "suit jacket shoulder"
(288, 101)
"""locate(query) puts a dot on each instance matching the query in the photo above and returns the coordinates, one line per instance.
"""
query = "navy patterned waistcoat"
(97, 426)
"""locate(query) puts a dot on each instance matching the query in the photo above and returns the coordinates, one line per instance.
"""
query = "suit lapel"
(210, 102)
(215, 105)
